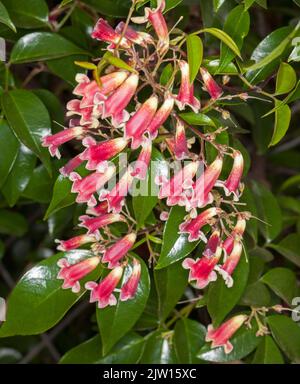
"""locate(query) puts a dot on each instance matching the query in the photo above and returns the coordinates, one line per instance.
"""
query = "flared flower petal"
(227, 269)
(72, 164)
(117, 251)
(193, 226)
(104, 32)
(72, 273)
(138, 123)
(214, 90)
(100, 209)
(93, 224)
(74, 242)
(103, 292)
(130, 287)
(62, 137)
(141, 166)
(180, 145)
(186, 96)
(221, 335)
(232, 184)
(236, 234)
(160, 116)
(136, 37)
(96, 153)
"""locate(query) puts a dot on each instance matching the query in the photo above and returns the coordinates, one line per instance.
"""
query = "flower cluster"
(112, 114)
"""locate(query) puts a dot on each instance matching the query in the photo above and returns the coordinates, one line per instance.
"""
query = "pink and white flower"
(160, 116)
(93, 224)
(86, 187)
(141, 166)
(130, 287)
(103, 292)
(231, 262)
(72, 164)
(156, 18)
(72, 273)
(74, 242)
(62, 137)
(214, 90)
(100, 209)
(117, 251)
(136, 37)
(104, 32)
(193, 226)
(180, 144)
(221, 335)
(138, 123)
(186, 96)
(233, 182)
(236, 234)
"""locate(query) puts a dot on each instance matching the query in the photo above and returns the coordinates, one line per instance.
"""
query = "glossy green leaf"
(188, 338)
(20, 175)
(39, 46)
(117, 62)
(9, 146)
(62, 196)
(269, 211)
(244, 342)
(114, 322)
(54, 107)
(65, 68)
(40, 186)
(282, 281)
(282, 122)
(175, 246)
(170, 4)
(5, 18)
(170, 285)
(12, 223)
(197, 119)
(289, 247)
(213, 66)
(248, 3)
(28, 127)
(88, 352)
(286, 333)
(221, 299)
(267, 352)
(237, 26)
(225, 38)
(286, 79)
(38, 298)
(27, 14)
(194, 54)
(158, 349)
(117, 8)
(256, 295)
(218, 4)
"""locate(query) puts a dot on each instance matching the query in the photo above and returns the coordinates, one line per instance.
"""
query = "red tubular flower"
(193, 226)
(156, 18)
(160, 117)
(214, 90)
(74, 242)
(202, 270)
(186, 91)
(227, 269)
(221, 335)
(115, 198)
(98, 210)
(116, 103)
(103, 292)
(141, 166)
(104, 32)
(201, 195)
(129, 289)
(96, 153)
(117, 251)
(86, 187)
(232, 184)
(175, 187)
(237, 233)
(54, 141)
(93, 224)
(180, 145)
(138, 123)
(71, 274)
(70, 166)
(136, 37)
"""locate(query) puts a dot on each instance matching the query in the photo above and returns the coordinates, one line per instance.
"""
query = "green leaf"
(286, 79)
(221, 299)
(282, 281)
(175, 246)
(218, 4)
(269, 211)
(248, 4)
(188, 338)
(20, 175)
(144, 202)
(40, 186)
(244, 342)
(5, 19)
(197, 119)
(117, 62)
(158, 349)
(27, 14)
(65, 2)
(223, 36)
(127, 351)
(62, 196)
(237, 26)
(9, 146)
(54, 107)
(117, 8)
(252, 225)
(39, 46)
(286, 333)
(194, 54)
(170, 4)
(38, 302)
(29, 127)
(213, 67)
(114, 322)
(289, 247)
(166, 74)
(267, 352)
(256, 295)
(170, 285)
(12, 223)
(65, 68)
(282, 122)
